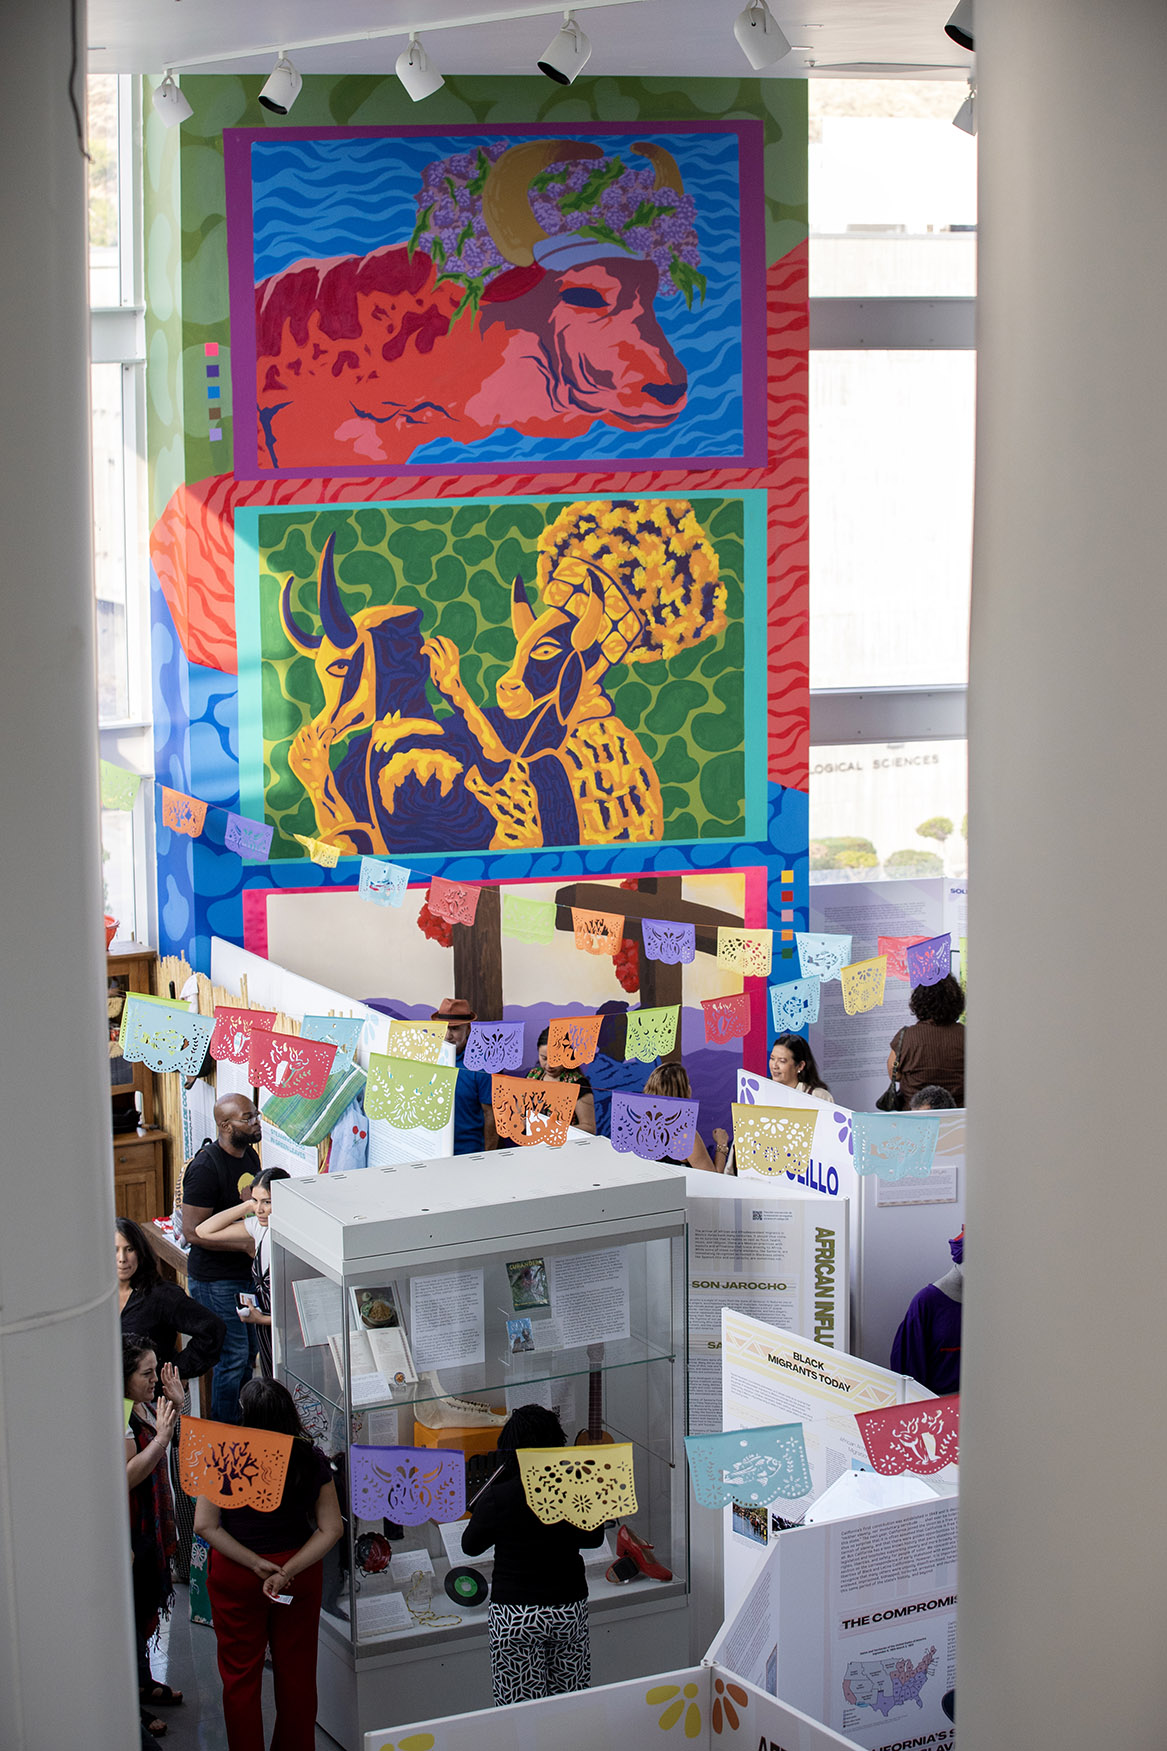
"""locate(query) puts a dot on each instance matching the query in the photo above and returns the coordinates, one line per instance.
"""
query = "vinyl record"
(466, 1587)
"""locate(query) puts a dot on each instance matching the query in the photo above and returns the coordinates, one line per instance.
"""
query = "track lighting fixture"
(758, 36)
(170, 103)
(960, 25)
(416, 71)
(966, 116)
(567, 54)
(282, 88)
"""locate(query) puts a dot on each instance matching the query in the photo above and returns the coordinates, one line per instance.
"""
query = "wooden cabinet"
(139, 1175)
(129, 969)
(140, 1156)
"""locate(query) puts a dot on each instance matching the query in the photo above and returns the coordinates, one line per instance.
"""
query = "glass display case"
(417, 1306)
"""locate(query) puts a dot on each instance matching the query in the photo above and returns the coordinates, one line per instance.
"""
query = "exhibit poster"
(773, 1376)
(854, 1623)
(773, 1252)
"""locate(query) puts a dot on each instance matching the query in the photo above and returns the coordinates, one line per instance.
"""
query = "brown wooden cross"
(478, 946)
(654, 897)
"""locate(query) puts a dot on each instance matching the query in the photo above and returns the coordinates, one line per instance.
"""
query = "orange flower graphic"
(678, 1702)
(724, 1697)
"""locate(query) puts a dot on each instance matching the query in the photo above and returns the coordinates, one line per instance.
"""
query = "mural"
(400, 693)
(478, 735)
(406, 297)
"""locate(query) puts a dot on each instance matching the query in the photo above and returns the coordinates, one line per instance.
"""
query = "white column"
(1063, 1583)
(66, 1653)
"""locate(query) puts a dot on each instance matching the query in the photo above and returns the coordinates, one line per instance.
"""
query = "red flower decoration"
(626, 961)
(432, 927)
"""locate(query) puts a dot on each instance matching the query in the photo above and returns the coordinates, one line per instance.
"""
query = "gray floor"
(184, 1657)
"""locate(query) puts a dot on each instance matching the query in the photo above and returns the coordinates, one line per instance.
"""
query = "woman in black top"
(149, 1433)
(159, 1311)
(539, 1595)
(265, 1582)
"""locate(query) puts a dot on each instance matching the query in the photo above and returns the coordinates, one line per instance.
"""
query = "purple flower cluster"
(608, 199)
(602, 198)
(450, 226)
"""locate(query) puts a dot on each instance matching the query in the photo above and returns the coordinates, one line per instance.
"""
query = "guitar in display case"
(595, 1434)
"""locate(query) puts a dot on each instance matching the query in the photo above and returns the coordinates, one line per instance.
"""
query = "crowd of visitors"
(265, 1569)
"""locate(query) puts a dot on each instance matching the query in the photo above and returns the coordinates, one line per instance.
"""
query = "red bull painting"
(408, 301)
(501, 675)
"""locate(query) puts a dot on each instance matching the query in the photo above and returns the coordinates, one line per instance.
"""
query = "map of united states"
(887, 1684)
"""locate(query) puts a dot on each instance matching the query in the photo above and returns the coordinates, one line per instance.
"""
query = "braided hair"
(531, 1425)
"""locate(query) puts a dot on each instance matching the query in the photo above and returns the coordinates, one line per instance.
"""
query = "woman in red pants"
(259, 1558)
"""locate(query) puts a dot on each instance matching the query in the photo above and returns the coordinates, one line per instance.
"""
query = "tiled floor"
(184, 1658)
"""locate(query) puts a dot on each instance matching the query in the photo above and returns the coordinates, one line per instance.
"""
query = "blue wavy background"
(315, 199)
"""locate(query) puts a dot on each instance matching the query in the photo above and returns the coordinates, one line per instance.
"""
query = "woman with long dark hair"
(248, 1222)
(792, 1064)
(931, 1050)
(158, 1312)
(538, 1617)
(152, 1539)
(257, 1561)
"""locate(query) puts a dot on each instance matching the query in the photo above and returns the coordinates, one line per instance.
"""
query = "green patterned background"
(457, 563)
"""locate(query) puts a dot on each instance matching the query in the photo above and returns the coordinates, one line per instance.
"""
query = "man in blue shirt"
(609, 1070)
(473, 1114)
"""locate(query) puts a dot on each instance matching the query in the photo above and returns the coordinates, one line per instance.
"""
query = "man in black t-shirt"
(217, 1179)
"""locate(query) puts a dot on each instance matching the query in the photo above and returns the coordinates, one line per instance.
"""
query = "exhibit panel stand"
(415, 1307)
(854, 1622)
(832, 1168)
(899, 1231)
(772, 1376)
(903, 1232)
(707, 1707)
(774, 1250)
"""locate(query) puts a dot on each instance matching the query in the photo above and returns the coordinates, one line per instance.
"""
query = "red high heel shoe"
(632, 1554)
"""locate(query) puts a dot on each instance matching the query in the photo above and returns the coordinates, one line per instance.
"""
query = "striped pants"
(538, 1650)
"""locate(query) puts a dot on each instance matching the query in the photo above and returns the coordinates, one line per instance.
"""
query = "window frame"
(117, 337)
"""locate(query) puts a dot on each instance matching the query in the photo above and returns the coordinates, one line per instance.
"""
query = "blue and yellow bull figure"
(398, 763)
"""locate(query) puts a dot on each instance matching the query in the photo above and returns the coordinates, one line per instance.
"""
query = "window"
(892, 217)
(891, 444)
(118, 872)
(109, 542)
(892, 190)
(105, 275)
(116, 391)
(884, 809)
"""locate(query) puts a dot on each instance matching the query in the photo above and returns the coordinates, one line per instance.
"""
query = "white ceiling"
(680, 38)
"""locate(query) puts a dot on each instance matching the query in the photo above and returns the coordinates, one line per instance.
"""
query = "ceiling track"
(387, 32)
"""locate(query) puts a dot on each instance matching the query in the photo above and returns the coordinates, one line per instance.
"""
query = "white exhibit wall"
(753, 1246)
(1066, 1300)
(271, 986)
(902, 1234)
(698, 1706)
(331, 934)
(898, 1233)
